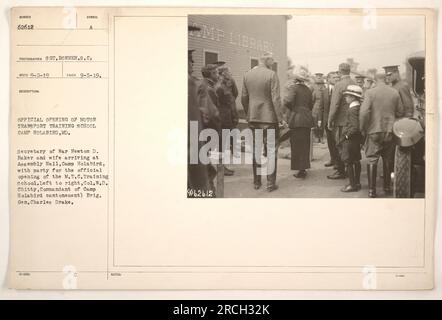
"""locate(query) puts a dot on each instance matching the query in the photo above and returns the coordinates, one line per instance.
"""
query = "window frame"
(209, 51)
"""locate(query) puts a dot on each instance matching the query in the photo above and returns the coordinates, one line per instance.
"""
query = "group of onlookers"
(354, 115)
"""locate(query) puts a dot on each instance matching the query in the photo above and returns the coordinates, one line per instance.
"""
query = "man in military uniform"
(197, 174)
(210, 78)
(359, 79)
(318, 94)
(381, 107)
(337, 117)
(209, 111)
(211, 114)
(227, 92)
(402, 87)
(262, 103)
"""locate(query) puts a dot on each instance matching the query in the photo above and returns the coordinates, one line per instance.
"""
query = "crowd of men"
(365, 122)
(354, 114)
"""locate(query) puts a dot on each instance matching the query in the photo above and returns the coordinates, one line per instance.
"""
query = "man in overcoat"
(332, 78)
(197, 173)
(338, 114)
(381, 107)
(261, 101)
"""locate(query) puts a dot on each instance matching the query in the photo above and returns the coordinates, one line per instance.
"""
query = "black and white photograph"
(306, 106)
(316, 128)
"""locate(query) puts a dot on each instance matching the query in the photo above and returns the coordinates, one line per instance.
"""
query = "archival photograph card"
(200, 148)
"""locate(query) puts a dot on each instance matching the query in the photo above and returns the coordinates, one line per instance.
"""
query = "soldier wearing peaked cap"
(359, 79)
(392, 73)
(319, 92)
(389, 71)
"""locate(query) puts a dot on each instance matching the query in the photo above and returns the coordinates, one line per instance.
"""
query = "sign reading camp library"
(233, 38)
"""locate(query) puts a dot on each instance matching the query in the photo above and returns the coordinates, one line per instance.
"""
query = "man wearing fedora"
(392, 73)
(262, 104)
(338, 115)
(381, 107)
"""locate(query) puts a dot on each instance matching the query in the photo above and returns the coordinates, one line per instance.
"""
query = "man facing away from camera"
(337, 117)
(381, 107)
(262, 103)
(332, 78)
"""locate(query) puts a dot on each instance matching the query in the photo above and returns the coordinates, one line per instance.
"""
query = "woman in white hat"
(298, 100)
(350, 145)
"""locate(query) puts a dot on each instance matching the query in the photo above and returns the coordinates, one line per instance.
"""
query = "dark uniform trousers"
(197, 174)
(331, 143)
(270, 151)
(380, 144)
(337, 134)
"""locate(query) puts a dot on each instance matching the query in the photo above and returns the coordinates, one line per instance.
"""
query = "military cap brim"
(209, 67)
(193, 28)
(391, 69)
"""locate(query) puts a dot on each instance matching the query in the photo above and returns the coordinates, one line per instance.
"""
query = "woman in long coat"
(298, 101)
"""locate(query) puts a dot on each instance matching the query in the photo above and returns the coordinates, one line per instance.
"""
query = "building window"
(253, 63)
(210, 57)
(275, 67)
